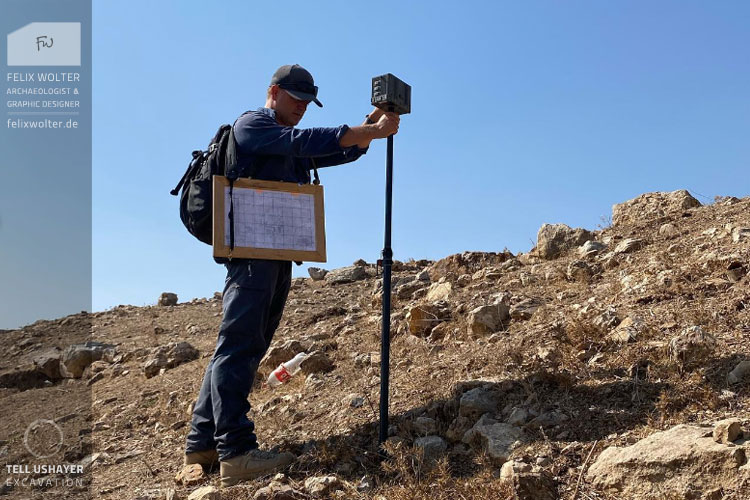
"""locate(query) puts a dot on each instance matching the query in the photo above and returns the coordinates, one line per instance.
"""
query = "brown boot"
(209, 459)
(252, 464)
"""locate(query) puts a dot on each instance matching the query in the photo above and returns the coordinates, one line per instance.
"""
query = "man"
(255, 290)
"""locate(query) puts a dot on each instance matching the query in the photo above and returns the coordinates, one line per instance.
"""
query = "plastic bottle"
(285, 371)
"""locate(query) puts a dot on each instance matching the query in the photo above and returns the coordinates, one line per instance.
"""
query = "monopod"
(389, 94)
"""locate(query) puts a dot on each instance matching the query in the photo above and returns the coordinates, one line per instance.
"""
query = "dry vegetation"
(562, 358)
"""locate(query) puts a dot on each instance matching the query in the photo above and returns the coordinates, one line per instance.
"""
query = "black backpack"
(196, 200)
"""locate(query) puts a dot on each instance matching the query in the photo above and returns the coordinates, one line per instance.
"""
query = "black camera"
(391, 94)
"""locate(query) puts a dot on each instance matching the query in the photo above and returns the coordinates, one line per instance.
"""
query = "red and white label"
(282, 374)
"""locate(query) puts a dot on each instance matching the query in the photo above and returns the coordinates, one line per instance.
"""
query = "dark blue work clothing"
(273, 152)
(255, 290)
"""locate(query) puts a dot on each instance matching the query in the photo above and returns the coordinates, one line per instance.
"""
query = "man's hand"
(386, 125)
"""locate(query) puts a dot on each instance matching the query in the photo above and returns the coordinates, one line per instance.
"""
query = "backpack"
(196, 199)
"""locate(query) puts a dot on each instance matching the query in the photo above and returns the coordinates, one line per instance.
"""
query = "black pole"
(385, 341)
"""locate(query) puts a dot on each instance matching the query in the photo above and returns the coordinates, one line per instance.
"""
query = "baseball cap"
(297, 81)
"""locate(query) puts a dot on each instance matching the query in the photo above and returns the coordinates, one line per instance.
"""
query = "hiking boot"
(208, 459)
(252, 464)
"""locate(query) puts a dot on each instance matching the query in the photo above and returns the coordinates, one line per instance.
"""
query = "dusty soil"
(561, 358)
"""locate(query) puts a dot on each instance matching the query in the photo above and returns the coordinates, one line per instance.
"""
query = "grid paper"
(271, 219)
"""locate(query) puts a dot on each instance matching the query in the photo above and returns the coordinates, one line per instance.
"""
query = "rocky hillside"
(603, 364)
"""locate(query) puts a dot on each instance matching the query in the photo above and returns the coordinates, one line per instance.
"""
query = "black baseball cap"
(297, 81)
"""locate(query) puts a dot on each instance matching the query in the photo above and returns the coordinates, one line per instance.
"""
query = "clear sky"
(523, 113)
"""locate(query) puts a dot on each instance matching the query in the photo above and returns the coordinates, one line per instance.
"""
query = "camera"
(391, 94)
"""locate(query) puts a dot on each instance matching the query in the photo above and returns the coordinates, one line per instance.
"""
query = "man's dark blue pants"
(255, 292)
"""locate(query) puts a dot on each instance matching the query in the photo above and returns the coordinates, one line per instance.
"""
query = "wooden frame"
(221, 249)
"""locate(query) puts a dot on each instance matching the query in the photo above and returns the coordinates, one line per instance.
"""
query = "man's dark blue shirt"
(269, 151)
(273, 152)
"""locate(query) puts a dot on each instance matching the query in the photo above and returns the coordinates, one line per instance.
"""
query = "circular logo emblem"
(43, 438)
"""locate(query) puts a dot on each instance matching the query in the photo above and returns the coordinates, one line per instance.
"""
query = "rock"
(23, 377)
(168, 356)
(439, 291)
(48, 363)
(735, 271)
(278, 354)
(407, 289)
(190, 475)
(167, 299)
(440, 331)
(425, 426)
(77, 357)
(322, 486)
(488, 319)
(553, 240)
(205, 493)
(669, 462)
(346, 275)
(528, 485)
(467, 263)
(458, 428)
(649, 206)
(727, 431)
(525, 309)
(477, 401)
(581, 271)
(360, 263)
(692, 347)
(741, 372)
(628, 330)
(496, 438)
(317, 362)
(152, 367)
(518, 417)
(741, 234)
(181, 352)
(548, 419)
(628, 245)
(432, 447)
(591, 248)
(422, 318)
(424, 276)
(277, 491)
(316, 273)
(356, 401)
(668, 231)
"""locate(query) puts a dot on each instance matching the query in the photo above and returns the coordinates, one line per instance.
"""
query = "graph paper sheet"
(271, 219)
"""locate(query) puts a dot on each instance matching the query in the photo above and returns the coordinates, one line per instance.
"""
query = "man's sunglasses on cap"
(307, 88)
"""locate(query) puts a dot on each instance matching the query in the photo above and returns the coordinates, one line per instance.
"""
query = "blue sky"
(522, 113)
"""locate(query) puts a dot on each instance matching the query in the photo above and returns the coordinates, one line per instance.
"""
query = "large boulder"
(77, 357)
(167, 299)
(48, 362)
(553, 240)
(650, 206)
(488, 319)
(346, 275)
(684, 460)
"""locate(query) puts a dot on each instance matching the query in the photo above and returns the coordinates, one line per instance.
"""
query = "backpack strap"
(231, 218)
(315, 172)
(194, 164)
